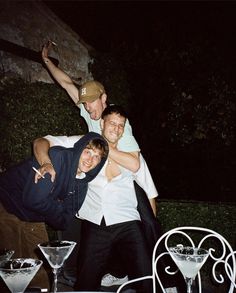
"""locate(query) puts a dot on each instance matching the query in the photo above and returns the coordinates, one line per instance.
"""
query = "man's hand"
(153, 205)
(45, 168)
(41, 148)
(45, 51)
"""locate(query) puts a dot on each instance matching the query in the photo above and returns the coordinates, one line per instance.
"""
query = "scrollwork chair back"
(221, 256)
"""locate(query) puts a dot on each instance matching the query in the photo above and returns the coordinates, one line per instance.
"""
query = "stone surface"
(25, 27)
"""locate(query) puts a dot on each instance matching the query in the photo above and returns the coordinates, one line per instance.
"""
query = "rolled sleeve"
(65, 141)
(144, 179)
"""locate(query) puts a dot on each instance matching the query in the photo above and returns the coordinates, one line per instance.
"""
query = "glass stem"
(189, 282)
(54, 286)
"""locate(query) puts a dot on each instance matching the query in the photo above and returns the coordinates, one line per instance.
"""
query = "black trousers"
(152, 230)
(72, 233)
(97, 245)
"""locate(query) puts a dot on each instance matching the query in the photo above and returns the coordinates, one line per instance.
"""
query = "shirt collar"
(82, 175)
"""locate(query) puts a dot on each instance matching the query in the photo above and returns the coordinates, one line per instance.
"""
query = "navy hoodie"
(54, 203)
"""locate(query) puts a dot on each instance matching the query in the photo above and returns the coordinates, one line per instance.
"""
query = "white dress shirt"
(115, 200)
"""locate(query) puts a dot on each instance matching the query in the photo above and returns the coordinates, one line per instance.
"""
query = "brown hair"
(99, 145)
(114, 109)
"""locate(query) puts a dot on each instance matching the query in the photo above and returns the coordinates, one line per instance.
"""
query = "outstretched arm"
(60, 76)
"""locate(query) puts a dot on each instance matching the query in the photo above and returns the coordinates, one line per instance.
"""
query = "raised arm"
(60, 76)
(41, 147)
(41, 152)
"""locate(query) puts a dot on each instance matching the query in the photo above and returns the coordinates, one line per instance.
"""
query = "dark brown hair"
(98, 144)
(114, 109)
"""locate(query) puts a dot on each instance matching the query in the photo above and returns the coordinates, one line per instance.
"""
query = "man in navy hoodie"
(25, 207)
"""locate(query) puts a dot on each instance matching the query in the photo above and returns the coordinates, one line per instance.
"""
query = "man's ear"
(104, 98)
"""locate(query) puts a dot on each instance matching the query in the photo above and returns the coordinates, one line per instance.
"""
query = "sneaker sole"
(112, 288)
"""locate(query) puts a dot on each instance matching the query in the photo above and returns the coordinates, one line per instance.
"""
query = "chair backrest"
(220, 262)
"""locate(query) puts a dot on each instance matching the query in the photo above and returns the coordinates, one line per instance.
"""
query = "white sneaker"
(108, 280)
(171, 290)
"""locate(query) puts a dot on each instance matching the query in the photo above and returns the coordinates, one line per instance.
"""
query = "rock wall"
(24, 27)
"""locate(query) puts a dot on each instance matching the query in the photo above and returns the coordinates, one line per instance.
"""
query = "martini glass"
(17, 273)
(189, 260)
(56, 252)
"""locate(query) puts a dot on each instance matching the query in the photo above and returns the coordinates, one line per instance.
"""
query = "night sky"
(105, 23)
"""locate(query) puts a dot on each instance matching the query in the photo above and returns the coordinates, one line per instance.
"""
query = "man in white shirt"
(110, 217)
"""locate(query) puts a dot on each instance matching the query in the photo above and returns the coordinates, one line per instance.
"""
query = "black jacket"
(54, 203)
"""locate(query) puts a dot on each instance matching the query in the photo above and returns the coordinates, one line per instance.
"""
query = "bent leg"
(32, 235)
(23, 237)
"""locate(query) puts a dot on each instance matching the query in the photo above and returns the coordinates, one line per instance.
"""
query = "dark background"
(104, 24)
(179, 61)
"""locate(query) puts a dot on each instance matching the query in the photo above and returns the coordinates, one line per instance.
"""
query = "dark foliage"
(29, 111)
(182, 105)
(220, 218)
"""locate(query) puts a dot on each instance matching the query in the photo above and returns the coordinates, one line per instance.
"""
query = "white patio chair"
(221, 257)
